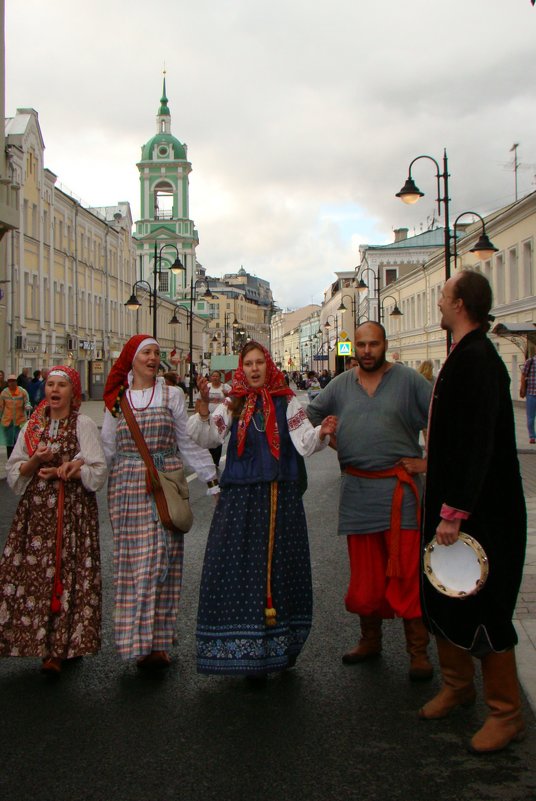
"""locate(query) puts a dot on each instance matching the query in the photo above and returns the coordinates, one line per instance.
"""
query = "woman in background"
(217, 392)
(426, 369)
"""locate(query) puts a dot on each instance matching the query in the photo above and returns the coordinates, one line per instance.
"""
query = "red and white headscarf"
(39, 417)
(117, 380)
(274, 384)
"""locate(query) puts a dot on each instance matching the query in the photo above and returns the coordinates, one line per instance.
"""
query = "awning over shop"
(522, 335)
(518, 329)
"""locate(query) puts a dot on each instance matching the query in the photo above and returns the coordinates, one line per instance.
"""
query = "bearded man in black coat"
(473, 484)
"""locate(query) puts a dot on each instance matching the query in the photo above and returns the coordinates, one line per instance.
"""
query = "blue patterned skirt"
(232, 636)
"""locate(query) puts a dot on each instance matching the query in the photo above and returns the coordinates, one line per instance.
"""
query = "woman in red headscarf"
(50, 590)
(147, 557)
(255, 602)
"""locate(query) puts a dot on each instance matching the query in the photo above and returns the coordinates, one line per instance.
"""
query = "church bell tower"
(164, 187)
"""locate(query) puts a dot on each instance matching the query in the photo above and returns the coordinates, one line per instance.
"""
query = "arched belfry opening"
(163, 201)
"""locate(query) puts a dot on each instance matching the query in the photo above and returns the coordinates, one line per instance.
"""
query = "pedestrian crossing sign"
(344, 348)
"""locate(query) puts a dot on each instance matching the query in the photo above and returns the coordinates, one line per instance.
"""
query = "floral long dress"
(27, 625)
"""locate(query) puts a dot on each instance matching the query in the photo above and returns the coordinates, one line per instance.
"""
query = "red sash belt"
(403, 477)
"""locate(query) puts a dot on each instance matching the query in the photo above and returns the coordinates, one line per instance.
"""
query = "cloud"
(301, 119)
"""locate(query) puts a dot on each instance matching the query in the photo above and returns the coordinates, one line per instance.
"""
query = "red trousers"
(371, 591)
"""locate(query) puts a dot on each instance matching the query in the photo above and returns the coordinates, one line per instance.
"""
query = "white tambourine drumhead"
(457, 570)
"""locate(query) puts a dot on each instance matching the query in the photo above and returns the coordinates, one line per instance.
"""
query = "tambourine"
(457, 570)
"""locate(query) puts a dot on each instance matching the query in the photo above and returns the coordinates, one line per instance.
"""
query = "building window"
(46, 300)
(499, 278)
(391, 274)
(528, 287)
(163, 283)
(35, 298)
(513, 275)
(34, 221)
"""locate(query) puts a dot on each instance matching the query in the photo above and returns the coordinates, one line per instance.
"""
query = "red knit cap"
(117, 380)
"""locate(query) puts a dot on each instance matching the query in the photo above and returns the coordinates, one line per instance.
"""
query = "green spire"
(164, 110)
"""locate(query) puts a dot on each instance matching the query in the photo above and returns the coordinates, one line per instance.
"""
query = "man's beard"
(372, 367)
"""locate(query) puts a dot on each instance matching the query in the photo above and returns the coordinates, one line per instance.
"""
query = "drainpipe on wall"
(106, 320)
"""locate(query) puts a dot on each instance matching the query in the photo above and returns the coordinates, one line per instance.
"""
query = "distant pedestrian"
(3, 382)
(171, 378)
(23, 379)
(312, 385)
(217, 392)
(36, 391)
(14, 408)
(527, 391)
(426, 369)
(324, 378)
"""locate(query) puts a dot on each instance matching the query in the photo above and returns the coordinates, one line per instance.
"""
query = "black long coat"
(473, 466)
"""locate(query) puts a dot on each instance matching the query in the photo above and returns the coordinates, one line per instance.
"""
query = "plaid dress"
(147, 558)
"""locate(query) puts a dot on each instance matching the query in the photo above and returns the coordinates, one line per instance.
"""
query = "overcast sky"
(300, 117)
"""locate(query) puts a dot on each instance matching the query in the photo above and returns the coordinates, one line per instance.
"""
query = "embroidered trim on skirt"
(232, 637)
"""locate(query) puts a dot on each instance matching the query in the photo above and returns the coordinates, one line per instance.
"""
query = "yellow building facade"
(69, 271)
(417, 335)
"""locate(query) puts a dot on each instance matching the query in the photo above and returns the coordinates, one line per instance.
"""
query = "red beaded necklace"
(142, 408)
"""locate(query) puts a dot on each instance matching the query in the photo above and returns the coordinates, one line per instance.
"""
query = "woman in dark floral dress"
(50, 587)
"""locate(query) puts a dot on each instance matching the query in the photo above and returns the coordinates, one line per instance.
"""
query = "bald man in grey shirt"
(381, 408)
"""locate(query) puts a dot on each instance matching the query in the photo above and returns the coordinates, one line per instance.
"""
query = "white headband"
(145, 343)
(61, 373)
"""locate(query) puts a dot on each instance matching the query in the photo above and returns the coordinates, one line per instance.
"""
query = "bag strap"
(152, 480)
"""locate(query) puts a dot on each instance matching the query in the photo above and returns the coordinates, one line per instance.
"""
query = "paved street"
(322, 731)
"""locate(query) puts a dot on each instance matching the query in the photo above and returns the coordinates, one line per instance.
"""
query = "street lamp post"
(362, 286)
(482, 248)
(327, 326)
(133, 303)
(235, 324)
(190, 324)
(353, 306)
(239, 337)
(410, 194)
(309, 349)
(396, 311)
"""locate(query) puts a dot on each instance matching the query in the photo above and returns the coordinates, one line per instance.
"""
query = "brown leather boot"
(370, 644)
(457, 670)
(417, 639)
(505, 723)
